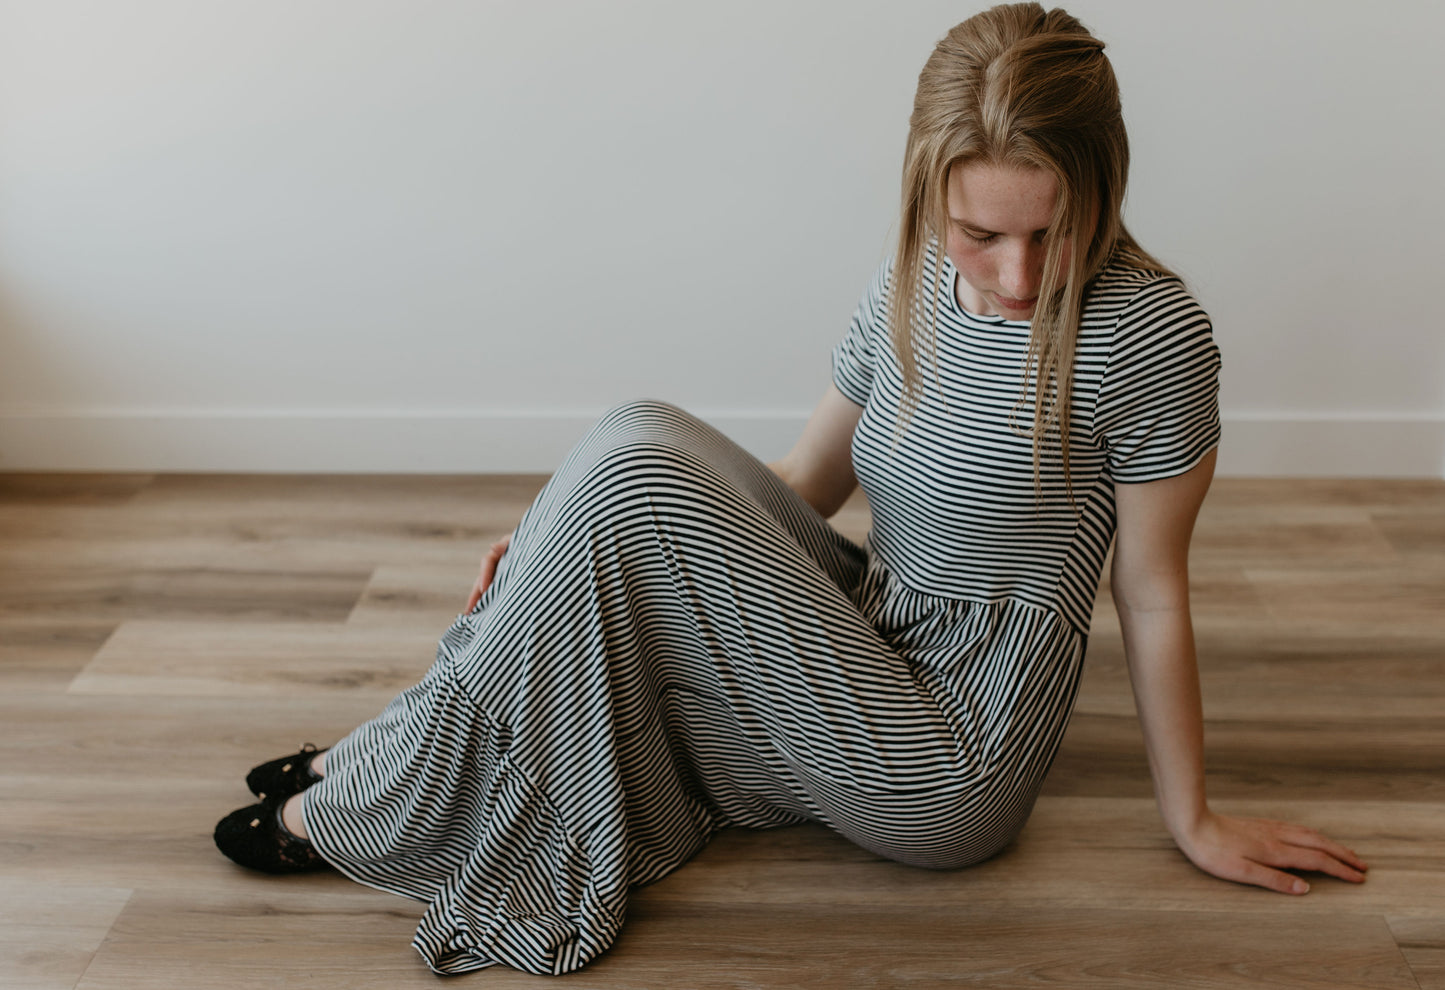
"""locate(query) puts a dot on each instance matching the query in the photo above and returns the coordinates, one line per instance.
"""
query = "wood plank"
(204, 592)
(126, 789)
(1420, 531)
(173, 741)
(1252, 667)
(1258, 534)
(1080, 854)
(830, 946)
(1407, 595)
(1287, 494)
(48, 654)
(419, 510)
(355, 941)
(80, 488)
(262, 932)
(415, 596)
(155, 658)
(49, 932)
(1422, 942)
(242, 521)
(280, 552)
(1306, 759)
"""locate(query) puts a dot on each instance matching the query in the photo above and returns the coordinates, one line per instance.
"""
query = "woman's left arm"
(1150, 580)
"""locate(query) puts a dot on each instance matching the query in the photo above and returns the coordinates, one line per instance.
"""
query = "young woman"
(676, 641)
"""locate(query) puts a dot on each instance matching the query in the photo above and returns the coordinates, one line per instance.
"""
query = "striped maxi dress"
(676, 643)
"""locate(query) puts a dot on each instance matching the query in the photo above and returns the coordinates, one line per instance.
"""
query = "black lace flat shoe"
(284, 777)
(256, 838)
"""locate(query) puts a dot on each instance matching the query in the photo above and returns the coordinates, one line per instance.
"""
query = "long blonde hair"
(1022, 87)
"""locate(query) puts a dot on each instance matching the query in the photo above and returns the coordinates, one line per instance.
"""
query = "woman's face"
(998, 216)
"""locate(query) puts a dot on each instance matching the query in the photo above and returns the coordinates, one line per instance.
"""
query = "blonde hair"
(1021, 87)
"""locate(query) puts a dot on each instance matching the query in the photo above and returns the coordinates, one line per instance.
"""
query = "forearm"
(820, 465)
(1159, 647)
(1150, 580)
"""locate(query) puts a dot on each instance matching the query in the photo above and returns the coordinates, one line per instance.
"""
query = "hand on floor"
(1258, 851)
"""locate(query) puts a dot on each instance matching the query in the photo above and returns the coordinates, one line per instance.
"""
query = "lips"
(1016, 305)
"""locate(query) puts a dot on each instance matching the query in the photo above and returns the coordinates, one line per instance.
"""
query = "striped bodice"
(956, 510)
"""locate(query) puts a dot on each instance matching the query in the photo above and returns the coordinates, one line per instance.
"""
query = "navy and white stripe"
(956, 510)
(676, 643)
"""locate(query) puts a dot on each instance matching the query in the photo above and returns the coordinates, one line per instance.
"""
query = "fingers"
(1258, 852)
(488, 571)
(1277, 880)
(1250, 865)
(1310, 839)
(1296, 847)
(490, 561)
(1313, 851)
(1288, 857)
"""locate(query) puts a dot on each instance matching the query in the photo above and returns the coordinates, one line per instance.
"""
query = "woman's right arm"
(820, 465)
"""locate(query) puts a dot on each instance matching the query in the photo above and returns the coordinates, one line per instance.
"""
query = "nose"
(1021, 272)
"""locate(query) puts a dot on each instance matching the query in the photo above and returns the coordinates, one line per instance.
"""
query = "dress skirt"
(676, 643)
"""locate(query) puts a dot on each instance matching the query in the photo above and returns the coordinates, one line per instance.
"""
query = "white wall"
(443, 235)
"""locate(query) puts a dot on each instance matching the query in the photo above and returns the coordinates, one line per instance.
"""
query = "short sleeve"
(1158, 408)
(855, 356)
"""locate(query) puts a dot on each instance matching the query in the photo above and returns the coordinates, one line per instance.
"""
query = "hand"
(488, 570)
(1257, 851)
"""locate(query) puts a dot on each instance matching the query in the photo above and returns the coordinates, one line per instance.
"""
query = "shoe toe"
(252, 837)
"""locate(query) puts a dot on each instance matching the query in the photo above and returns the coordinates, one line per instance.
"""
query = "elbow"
(1144, 590)
(828, 503)
(826, 498)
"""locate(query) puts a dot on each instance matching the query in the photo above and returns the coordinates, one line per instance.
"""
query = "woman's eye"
(977, 238)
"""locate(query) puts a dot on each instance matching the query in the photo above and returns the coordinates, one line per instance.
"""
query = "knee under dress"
(676, 643)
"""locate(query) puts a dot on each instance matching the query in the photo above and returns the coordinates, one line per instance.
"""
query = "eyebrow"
(976, 229)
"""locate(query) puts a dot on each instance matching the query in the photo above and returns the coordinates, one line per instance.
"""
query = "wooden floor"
(160, 634)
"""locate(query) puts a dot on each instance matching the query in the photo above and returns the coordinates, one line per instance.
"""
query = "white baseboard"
(402, 443)
(489, 442)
